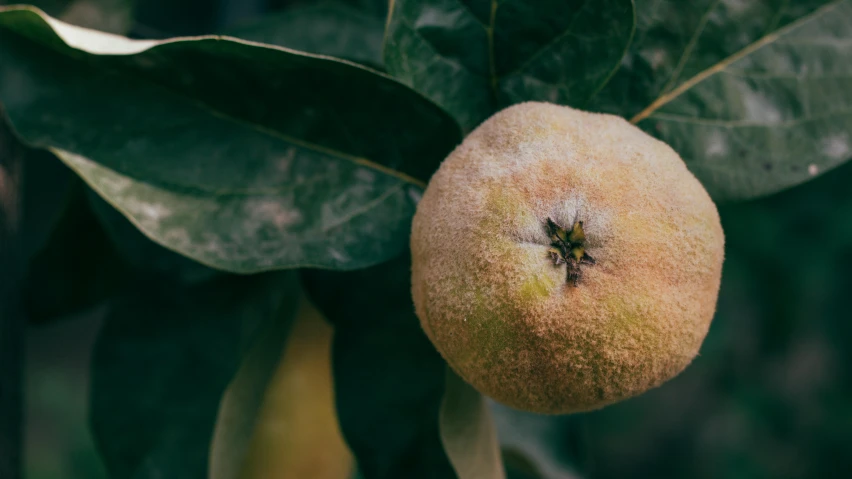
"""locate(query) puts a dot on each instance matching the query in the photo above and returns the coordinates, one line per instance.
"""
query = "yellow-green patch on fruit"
(565, 260)
(297, 434)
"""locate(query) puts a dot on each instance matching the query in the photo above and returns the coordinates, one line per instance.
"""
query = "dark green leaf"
(520, 466)
(141, 253)
(46, 188)
(538, 446)
(375, 8)
(47, 191)
(327, 28)
(240, 156)
(467, 432)
(163, 361)
(77, 268)
(754, 95)
(242, 402)
(474, 57)
(92, 253)
(388, 378)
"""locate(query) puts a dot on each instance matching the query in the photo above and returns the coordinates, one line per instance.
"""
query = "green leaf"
(468, 433)
(243, 157)
(44, 190)
(520, 466)
(297, 433)
(540, 446)
(754, 95)
(92, 253)
(142, 254)
(475, 57)
(47, 190)
(327, 28)
(77, 267)
(242, 402)
(388, 378)
(375, 8)
(165, 358)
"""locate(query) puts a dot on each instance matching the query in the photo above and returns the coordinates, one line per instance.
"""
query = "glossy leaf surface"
(240, 156)
(755, 95)
(474, 57)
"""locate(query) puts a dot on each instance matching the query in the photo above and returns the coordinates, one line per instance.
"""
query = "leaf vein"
(211, 110)
(365, 208)
(687, 52)
(746, 123)
(722, 65)
(552, 44)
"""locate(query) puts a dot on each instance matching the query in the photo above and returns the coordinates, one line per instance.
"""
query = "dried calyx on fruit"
(539, 186)
(568, 247)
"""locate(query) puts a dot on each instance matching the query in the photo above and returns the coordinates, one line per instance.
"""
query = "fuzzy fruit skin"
(501, 313)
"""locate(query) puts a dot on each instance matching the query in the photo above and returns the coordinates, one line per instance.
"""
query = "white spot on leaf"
(146, 211)
(836, 147)
(759, 108)
(735, 7)
(178, 237)
(365, 175)
(813, 169)
(656, 57)
(270, 211)
(716, 145)
(283, 164)
(113, 184)
(337, 255)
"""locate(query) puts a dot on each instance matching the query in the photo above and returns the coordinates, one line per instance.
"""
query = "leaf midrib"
(544, 48)
(666, 98)
(687, 52)
(492, 77)
(747, 123)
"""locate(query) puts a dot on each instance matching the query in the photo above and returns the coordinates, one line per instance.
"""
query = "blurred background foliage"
(770, 396)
